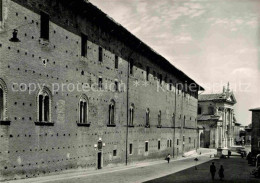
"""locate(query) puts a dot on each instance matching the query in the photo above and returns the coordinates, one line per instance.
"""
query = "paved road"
(236, 171)
(142, 172)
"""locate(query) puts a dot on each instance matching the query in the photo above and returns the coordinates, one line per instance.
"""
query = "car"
(241, 150)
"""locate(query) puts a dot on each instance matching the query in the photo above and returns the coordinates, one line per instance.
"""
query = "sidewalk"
(131, 173)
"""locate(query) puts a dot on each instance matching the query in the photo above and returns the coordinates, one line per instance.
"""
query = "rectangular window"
(189, 140)
(100, 82)
(1, 10)
(114, 152)
(183, 139)
(159, 144)
(131, 67)
(177, 141)
(147, 73)
(45, 25)
(146, 147)
(84, 45)
(116, 62)
(116, 85)
(160, 78)
(130, 148)
(100, 54)
(170, 143)
(170, 85)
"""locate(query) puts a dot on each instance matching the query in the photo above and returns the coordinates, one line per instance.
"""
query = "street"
(236, 170)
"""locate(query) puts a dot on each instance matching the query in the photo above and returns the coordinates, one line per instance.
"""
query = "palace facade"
(77, 90)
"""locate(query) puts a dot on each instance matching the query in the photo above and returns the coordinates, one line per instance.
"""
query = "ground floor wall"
(44, 150)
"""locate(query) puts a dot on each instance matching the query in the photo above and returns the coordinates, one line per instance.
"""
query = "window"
(131, 122)
(211, 110)
(146, 147)
(170, 143)
(100, 54)
(160, 78)
(116, 62)
(177, 141)
(183, 139)
(194, 143)
(100, 83)
(147, 73)
(112, 113)
(130, 148)
(116, 85)
(45, 25)
(3, 97)
(131, 67)
(199, 110)
(44, 105)
(147, 117)
(1, 10)
(114, 152)
(83, 109)
(159, 118)
(184, 121)
(159, 144)
(189, 140)
(170, 85)
(84, 45)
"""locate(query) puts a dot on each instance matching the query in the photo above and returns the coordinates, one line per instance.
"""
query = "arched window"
(3, 94)
(44, 105)
(111, 113)
(147, 117)
(131, 122)
(83, 109)
(160, 118)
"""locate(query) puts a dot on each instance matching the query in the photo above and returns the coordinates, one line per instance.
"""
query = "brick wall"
(28, 150)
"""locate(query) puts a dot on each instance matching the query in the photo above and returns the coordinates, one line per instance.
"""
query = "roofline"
(100, 15)
(255, 109)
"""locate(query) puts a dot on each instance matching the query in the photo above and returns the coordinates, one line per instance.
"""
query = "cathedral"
(216, 117)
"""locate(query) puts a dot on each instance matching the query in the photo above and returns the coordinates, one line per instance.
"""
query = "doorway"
(99, 163)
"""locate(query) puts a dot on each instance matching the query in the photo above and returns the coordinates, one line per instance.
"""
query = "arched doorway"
(202, 140)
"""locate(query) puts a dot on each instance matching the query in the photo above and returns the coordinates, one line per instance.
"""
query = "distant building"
(238, 134)
(248, 135)
(216, 115)
(255, 143)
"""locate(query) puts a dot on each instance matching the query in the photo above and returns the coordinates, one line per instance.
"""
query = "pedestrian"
(212, 170)
(221, 172)
(168, 158)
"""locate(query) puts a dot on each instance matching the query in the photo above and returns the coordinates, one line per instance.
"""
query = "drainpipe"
(127, 102)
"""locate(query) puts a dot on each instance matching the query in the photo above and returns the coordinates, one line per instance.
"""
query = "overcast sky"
(212, 41)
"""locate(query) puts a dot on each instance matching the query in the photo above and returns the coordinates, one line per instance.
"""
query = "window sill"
(159, 126)
(131, 126)
(5, 123)
(42, 123)
(111, 125)
(84, 124)
(147, 126)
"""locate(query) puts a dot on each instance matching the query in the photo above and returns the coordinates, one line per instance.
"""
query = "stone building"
(77, 90)
(216, 116)
(255, 133)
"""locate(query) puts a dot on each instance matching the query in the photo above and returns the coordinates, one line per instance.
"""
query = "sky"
(212, 41)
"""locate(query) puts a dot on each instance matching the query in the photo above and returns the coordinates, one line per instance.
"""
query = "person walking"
(168, 158)
(212, 170)
(221, 172)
